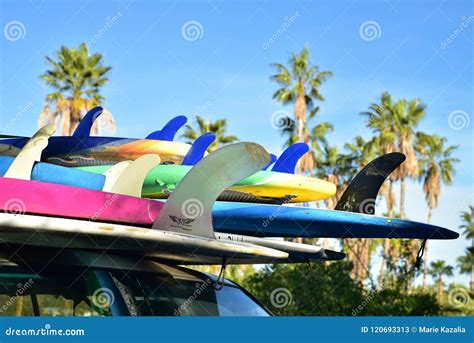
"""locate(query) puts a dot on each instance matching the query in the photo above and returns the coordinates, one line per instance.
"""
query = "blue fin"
(198, 149)
(168, 131)
(287, 161)
(84, 128)
(273, 158)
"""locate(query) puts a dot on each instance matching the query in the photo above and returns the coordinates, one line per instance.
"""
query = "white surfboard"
(89, 235)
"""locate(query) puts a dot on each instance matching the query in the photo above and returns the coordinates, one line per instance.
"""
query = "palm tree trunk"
(386, 242)
(440, 289)
(402, 197)
(425, 267)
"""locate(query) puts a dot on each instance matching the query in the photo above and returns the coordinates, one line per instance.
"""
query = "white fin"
(189, 208)
(127, 179)
(22, 166)
(113, 173)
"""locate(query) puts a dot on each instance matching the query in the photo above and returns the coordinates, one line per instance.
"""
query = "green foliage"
(317, 290)
(76, 73)
(218, 127)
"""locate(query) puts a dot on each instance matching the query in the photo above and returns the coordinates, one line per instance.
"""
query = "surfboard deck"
(286, 221)
(261, 187)
(77, 151)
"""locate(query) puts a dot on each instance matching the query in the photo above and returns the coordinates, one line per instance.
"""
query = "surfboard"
(259, 220)
(182, 226)
(81, 149)
(20, 229)
(261, 187)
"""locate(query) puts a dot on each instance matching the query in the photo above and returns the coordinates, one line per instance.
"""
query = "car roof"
(53, 259)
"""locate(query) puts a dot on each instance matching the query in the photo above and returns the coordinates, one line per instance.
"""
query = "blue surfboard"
(273, 221)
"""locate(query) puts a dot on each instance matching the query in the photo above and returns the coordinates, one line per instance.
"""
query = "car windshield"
(119, 292)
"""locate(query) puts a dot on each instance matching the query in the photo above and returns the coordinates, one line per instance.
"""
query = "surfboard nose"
(442, 233)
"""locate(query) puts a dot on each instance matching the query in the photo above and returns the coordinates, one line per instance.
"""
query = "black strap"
(419, 256)
(220, 279)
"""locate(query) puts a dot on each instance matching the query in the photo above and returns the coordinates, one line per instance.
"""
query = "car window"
(73, 292)
(56, 294)
(171, 296)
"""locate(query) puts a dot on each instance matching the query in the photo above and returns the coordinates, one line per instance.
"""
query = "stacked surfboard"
(174, 202)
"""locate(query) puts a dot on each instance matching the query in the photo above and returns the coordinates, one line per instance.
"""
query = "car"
(68, 282)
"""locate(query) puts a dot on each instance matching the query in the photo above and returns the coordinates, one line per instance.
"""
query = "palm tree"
(76, 77)
(467, 218)
(437, 270)
(408, 115)
(395, 124)
(435, 167)
(300, 82)
(466, 265)
(218, 127)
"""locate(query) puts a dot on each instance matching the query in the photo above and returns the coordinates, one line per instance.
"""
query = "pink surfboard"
(47, 199)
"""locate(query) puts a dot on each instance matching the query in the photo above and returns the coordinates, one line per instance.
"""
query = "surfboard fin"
(83, 130)
(168, 131)
(188, 209)
(198, 149)
(273, 158)
(360, 194)
(132, 176)
(287, 161)
(113, 173)
(23, 164)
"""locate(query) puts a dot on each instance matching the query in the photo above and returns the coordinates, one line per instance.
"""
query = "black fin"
(360, 195)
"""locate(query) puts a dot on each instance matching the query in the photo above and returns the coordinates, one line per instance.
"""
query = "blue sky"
(411, 48)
